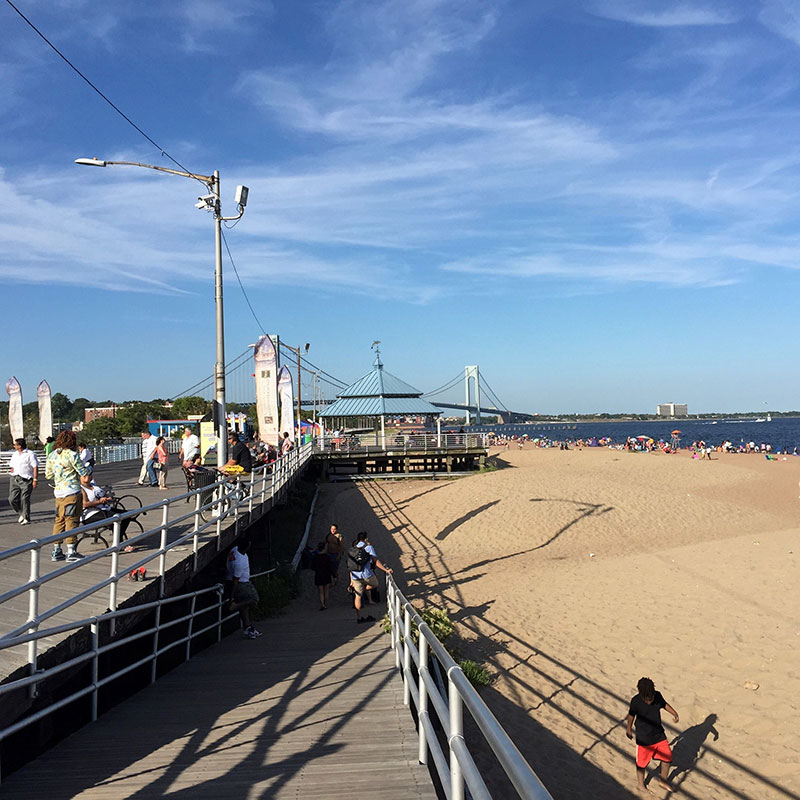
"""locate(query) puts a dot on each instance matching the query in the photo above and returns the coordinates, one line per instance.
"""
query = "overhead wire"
(98, 91)
(241, 285)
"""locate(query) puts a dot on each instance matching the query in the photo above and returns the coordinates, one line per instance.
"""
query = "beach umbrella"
(643, 437)
(674, 432)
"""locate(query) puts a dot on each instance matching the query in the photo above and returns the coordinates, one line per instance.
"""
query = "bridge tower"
(472, 373)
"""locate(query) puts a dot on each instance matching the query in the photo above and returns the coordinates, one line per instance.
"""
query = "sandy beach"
(572, 574)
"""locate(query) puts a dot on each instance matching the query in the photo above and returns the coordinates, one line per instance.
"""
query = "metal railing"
(401, 443)
(226, 500)
(103, 454)
(100, 645)
(457, 768)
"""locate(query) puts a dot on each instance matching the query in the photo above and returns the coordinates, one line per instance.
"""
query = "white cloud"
(781, 17)
(668, 15)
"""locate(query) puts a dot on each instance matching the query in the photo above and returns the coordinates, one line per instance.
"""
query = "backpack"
(357, 559)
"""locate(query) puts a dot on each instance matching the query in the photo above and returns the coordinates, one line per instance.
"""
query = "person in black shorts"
(651, 739)
(238, 454)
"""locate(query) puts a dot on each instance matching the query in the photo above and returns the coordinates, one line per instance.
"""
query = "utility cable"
(86, 80)
(241, 285)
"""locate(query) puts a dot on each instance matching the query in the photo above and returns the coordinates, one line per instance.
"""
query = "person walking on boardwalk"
(148, 445)
(321, 564)
(66, 470)
(335, 548)
(361, 560)
(243, 593)
(651, 739)
(24, 477)
(160, 463)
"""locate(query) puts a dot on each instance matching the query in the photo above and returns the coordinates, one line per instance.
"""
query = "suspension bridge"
(468, 392)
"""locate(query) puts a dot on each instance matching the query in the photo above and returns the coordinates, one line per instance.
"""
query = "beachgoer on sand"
(651, 739)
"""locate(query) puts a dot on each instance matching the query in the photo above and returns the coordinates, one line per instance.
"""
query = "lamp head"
(90, 162)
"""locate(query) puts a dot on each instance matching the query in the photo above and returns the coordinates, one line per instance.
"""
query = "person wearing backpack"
(361, 560)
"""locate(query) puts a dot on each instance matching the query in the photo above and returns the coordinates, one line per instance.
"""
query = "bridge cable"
(497, 400)
(445, 386)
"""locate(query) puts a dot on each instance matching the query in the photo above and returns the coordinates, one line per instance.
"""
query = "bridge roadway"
(312, 709)
(122, 476)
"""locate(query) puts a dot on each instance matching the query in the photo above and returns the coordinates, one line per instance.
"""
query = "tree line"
(130, 417)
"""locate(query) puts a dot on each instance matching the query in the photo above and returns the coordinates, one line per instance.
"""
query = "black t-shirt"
(649, 729)
(241, 456)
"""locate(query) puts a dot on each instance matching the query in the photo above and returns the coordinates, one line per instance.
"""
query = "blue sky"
(597, 201)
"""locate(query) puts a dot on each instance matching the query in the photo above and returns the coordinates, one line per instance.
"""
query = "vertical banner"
(14, 407)
(266, 371)
(208, 444)
(45, 411)
(287, 402)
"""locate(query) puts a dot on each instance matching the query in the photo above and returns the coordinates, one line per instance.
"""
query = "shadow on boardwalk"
(313, 708)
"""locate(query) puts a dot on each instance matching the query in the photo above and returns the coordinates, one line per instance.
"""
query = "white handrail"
(226, 501)
(93, 654)
(457, 769)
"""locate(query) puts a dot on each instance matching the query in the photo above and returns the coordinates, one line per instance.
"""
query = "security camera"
(206, 201)
(241, 195)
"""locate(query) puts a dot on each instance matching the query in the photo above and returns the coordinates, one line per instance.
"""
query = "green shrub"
(476, 674)
(438, 620)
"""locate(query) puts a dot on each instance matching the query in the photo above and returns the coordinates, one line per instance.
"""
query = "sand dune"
(572, 574)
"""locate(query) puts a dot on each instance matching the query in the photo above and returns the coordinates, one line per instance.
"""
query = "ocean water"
(783, 433)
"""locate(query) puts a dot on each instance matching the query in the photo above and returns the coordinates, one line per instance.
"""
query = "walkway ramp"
(312, 709)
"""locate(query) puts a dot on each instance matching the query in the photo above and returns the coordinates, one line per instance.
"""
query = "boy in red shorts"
(651, 739)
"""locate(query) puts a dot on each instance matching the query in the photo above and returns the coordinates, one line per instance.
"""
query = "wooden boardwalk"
(16, 571)
(312, 709)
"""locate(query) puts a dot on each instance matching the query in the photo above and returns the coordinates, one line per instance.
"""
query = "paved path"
(312, 709)
(16, 571)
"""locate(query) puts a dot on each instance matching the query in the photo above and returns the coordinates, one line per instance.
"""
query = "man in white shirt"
(148, 446)
(24, 477)
(243, 593)
(190, 446)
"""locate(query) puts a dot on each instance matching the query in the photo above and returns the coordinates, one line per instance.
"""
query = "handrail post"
(154, 661)
(95, 666)
(191, 625)
(114, 585)
(456, 731)
(33, 613)
(196, 537)
(423, 699)
(407, 658)
(197, 503)
(162, 558)
(396, 617)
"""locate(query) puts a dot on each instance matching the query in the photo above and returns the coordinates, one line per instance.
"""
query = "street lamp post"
(210, 202)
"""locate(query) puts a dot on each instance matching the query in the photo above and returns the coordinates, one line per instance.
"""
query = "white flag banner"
(45, 411)
(266, 374)
(14, 407)
(287, 402)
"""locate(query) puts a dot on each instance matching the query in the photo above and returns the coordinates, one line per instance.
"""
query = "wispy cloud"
(669, 14)
(782, 17)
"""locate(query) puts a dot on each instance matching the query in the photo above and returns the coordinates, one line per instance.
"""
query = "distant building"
(91, 414)
(672, 410)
